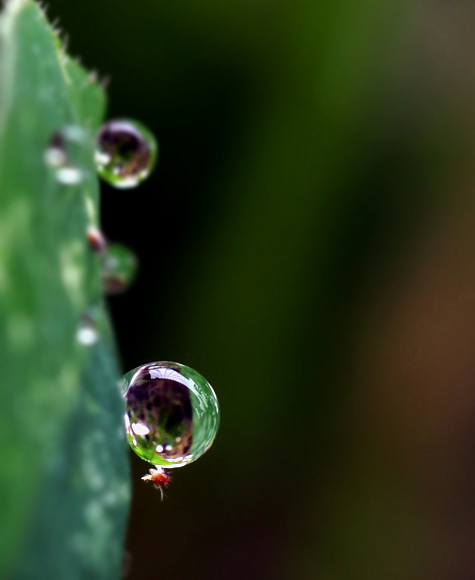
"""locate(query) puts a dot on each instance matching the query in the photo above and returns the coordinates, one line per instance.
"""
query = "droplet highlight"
(126, 152)
(118, 268)
(172, 413)
(66, 154)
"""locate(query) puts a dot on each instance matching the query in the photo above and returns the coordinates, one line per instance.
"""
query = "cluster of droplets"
(172, 413)
(66, 154)
(125, 153)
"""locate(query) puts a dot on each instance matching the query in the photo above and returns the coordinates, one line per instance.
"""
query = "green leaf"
(64, 473)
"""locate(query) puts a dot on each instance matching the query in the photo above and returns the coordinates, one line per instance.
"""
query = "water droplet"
(87, 333)
(126, 153)
(89, 324)
(172, 413)
(67, 154)
(119, 268)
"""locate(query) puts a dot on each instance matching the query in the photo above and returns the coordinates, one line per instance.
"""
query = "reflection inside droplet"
(140, 429)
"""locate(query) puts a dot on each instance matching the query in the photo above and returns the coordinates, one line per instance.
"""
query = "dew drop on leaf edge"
(87, 333)
(126, 153)
(118, 268)
(88, 330)
(67, 155)
(172, 413)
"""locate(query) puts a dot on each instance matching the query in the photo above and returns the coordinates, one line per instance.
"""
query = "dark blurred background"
(307, 242)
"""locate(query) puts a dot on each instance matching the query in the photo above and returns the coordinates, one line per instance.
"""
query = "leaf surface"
(64, 473)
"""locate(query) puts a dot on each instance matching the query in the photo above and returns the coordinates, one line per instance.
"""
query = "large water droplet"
(126, 153)
(118, 268)
(172, 413)
(67, 154)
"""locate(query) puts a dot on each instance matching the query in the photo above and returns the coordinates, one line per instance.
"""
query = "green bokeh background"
(307, 243)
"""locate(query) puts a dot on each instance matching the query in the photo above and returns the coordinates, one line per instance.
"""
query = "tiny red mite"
(159, 477)
(96, 239)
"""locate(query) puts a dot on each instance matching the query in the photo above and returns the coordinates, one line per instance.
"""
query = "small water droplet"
(177, 409)
(87, 333)
(67, 153)
(126, 153)
(119, 268)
